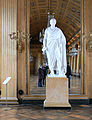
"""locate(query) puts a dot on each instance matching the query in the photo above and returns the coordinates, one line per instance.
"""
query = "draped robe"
(55, 42)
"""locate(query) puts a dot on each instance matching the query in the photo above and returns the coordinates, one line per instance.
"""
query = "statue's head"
(53, 21)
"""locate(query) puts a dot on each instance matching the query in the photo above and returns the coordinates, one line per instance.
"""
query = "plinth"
(56, 92)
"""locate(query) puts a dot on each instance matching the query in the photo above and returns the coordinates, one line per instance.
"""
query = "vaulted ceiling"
(67, 14)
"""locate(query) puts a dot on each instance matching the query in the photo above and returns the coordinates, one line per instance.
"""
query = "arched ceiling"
(67, 14)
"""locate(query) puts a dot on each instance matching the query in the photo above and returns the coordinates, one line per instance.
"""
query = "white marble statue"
(54, 44)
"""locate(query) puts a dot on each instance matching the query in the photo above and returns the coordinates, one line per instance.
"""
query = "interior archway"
(68, 16)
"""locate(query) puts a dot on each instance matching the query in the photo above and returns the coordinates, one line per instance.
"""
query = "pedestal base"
(56, 92)
(54, 104)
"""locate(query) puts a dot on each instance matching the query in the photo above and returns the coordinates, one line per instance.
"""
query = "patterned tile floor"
(37, 112)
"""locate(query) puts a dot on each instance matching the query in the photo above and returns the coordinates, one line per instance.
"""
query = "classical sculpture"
(54, 44)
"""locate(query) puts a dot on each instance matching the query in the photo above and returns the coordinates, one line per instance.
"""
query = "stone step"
(9, 102)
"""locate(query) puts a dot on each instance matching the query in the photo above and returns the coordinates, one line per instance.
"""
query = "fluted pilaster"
(9, 53)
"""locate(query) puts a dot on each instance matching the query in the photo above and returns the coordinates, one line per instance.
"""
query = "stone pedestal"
(56, 92)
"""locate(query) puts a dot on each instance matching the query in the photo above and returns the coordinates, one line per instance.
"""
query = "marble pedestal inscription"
(56, 92)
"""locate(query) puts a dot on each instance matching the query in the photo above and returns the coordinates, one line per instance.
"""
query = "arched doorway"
(68, 16)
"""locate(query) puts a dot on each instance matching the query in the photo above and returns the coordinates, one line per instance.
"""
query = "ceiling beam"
(74, 35)
(75, 41)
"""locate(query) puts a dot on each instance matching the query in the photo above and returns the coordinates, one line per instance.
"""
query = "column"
(77, 68)
(9, 53)
(69, 60)
(39, 59)
(0, 41)
(74, 64)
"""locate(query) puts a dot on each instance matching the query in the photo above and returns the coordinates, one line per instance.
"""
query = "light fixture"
(73, 51)
(79, 48)
(19, 36)
(50, 16)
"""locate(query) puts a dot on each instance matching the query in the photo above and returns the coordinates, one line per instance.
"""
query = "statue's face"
(53, 22)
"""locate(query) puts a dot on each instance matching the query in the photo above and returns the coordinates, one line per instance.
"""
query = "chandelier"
(73, 51)
(50, 16)
(19, 36)
(41, 34)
